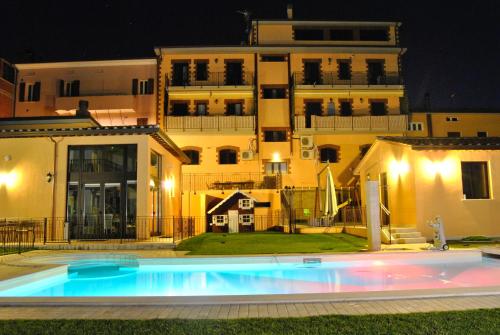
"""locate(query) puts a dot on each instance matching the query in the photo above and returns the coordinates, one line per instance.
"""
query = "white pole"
(373, 215)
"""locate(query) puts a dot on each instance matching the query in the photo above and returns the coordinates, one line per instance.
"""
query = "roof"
(326, 23)
(90, 63)
(48, 122)
(446, 143)
(227, 199)
(154, 131)
(458, 111)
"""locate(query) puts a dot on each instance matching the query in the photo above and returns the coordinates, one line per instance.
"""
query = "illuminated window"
(475, 181)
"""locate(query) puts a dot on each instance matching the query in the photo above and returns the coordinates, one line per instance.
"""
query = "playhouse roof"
(227, 199)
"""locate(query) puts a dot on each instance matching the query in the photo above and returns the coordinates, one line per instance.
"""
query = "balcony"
(215, 123)
(229, 181)
(362, 123)
(104, 100)
(213, 79)
(331, 80)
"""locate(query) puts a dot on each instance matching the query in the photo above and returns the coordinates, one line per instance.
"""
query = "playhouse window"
(219, 220)
(246, 219)
(245, 203)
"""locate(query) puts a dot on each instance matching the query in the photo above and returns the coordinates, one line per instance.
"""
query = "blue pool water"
(100, 278)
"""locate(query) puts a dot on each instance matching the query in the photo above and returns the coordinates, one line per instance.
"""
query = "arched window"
(329, 154)
(194, 156)
(228, 156)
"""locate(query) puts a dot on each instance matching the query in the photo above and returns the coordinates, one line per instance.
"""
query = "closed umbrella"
(331, 206)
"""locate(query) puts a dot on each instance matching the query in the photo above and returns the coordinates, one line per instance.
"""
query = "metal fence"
(212, 79)
(16, 237)
(230, 181)
(355, 78)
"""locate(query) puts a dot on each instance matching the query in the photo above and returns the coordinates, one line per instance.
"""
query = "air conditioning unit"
(306, 142)
(307, 153)
(247, 155)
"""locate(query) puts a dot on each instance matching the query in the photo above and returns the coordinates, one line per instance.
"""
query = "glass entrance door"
(92, 223)
(112, 210)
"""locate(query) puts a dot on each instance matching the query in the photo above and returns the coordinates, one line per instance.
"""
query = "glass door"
(112, 210)
(92, 223)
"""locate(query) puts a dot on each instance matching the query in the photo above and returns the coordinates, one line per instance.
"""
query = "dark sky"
(453, 47)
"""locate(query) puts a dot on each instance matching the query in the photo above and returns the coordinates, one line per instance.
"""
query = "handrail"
(211, 79)
(355, 78)
(386, 211)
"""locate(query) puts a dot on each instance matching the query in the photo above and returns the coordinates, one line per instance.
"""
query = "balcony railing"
(394, 123)
(229, 181)
(217, 79)
(213, 123)
(356, 78)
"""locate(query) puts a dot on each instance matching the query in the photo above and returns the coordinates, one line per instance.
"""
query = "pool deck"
(212, 308)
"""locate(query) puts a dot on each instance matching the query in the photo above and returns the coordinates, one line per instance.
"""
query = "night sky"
(453, 47)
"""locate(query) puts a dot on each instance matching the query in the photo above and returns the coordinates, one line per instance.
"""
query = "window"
(143, 86)
(234, 108)
(328, 154)
(273, 58)
(9, 73)
(69, 88)
(275, 136)
(363, 149)
(341, 34)
(194, 156)
(373, 35)
(219, 220)
(454, 134)
(376, 71)
(228, 156)
(202, 71)
(245, 219)
(345, 107)
(180, 108)
(378, 108)
(451, 119)
(276, 168)
(482, 134)
(475, 180)
(234, 72)
(308, 34)
(274, 93)
(344, 69)
(180, 73)
(415, 126)
(245, 203)
(312, 72)
(29, 91)
(201, 108)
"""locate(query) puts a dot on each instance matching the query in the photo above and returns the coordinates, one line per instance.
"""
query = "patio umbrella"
(331, 206)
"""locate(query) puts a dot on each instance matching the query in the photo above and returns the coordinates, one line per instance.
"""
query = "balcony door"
(234, 73)
(376, 72)
(312, 73)
(180, 75)
(312, 108)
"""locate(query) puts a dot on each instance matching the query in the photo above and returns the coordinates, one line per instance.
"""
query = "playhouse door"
(233, 221)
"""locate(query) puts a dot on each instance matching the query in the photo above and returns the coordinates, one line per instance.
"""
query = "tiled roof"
(447, 143)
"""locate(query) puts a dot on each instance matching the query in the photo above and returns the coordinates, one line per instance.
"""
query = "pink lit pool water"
(99, 277)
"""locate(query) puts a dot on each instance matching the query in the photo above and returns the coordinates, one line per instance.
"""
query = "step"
(407, 235)
(409, 240)
(403, 230)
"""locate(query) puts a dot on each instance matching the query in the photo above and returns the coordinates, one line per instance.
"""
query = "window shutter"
(22, 89)
(36, 91)
(61, 88)
(135, 85)
(75, 88)
(151, 83)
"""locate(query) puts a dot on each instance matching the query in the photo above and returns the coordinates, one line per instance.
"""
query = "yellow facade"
(425, 183)
(466, 124)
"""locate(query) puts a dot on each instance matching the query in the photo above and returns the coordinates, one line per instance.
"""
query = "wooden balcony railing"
(229, 181)
(393, 123)
(214, 123)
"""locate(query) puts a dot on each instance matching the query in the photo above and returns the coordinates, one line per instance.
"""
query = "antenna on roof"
(246, 16)
(289, 11)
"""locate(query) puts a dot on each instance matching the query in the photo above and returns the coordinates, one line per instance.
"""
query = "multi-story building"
(272, 113)
(118, 92)
(7, 88)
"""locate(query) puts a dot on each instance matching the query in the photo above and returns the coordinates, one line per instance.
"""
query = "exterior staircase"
(402, 236)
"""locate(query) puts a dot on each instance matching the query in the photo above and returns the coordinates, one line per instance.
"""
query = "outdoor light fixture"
(7, 158)
(276, 157)
(49, 176)
(152, 184)
(399, 168)
(8, 179)
(168, 184)
(443, 168)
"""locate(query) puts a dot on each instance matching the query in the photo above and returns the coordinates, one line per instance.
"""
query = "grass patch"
(270, 243)
(460, 322)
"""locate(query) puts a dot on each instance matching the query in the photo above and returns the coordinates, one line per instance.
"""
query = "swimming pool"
(120, 276)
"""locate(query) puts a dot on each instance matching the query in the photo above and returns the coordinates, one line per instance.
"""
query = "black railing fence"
(16, 237)
(212, 79)
(355, 78)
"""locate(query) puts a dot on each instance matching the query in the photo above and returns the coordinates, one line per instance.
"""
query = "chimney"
(289, 11)
(83, 108)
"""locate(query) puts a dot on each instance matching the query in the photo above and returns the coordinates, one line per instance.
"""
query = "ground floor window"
(219, 220)
(246, 219)
(475, 181)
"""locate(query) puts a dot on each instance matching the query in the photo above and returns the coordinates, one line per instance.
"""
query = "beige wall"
(468, 124)
(106, 85)
(418, 192)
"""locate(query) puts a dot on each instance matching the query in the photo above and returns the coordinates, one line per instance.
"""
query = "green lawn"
(463, 322)
(270, 243)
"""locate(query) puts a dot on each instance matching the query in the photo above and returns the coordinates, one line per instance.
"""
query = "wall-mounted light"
(276, 157)
(152, 185)
(444, 168)
(49, 176)
(8, 179)
(399, 168)
(7, 158)
(168, 185)
(216, 60)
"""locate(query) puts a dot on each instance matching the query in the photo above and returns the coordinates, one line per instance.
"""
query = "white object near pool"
(98, 276)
